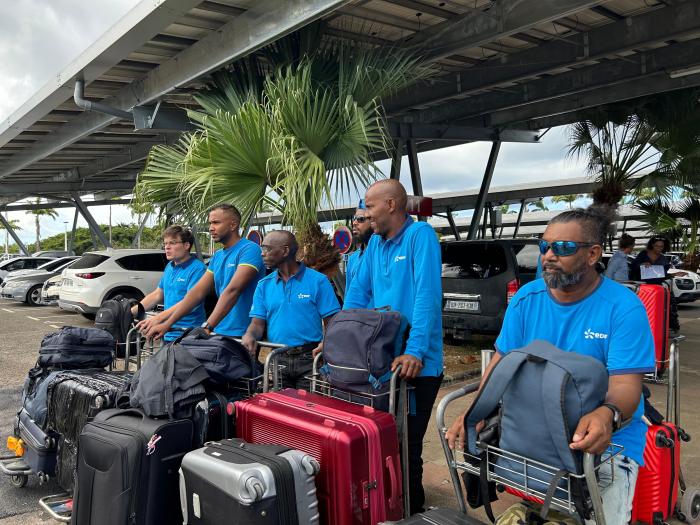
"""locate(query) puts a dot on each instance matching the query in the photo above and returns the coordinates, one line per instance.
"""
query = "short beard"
(559, 279)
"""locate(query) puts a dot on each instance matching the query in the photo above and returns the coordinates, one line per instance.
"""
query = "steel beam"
(416, 181)
(484, 190)
(9, 229)
(136, 28)
(453, 226)
(520, 218)
(397, 155)
(637, 32)
(457, 133)
(71, 242)
(92, 224)
(644, 68)
(505, 18)
(66, 187)
(264, 22)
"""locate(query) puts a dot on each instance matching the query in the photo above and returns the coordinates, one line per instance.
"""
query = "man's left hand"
(317, 350)
(410, 366)
(593, 432)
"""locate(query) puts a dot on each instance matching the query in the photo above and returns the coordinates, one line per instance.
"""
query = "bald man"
(402, 269)
(292, 303)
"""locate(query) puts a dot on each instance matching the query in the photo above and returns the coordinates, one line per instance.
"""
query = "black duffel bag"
(73, 348)
(225, 359)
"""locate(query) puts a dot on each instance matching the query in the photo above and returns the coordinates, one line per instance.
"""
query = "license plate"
(67, 282)
(470, 306)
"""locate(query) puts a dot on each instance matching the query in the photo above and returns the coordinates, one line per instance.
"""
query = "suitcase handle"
(395, 496)
(127, 412)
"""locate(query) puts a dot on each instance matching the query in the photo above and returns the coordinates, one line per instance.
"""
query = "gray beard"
(558, 280)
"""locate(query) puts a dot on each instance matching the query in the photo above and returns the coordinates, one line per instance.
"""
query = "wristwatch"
(207, 326)
(617, 416)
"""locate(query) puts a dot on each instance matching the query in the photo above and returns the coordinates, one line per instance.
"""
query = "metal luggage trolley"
(397, 397)
(532, 473)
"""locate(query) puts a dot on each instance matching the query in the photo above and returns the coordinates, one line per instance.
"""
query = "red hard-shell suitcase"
(657, 302)
(357, 447)
(656, 492)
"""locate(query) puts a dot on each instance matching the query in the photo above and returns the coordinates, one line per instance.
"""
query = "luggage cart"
(532, 473)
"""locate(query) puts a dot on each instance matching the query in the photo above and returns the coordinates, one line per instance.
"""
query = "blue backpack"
(543, 392)
(358, 348)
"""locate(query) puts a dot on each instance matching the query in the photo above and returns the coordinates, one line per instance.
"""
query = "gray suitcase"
(437, 517)
(258, 484)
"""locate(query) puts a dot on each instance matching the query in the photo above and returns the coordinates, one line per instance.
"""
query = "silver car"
(26, 286)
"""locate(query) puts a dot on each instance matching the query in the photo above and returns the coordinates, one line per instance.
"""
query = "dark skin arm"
(229, 297)
(253, 334)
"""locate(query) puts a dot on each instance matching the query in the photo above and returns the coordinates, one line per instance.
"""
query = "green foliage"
(567, 199)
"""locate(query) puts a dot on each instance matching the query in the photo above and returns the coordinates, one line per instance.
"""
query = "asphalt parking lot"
(22, 329)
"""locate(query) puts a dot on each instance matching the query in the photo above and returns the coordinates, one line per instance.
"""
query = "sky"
(39, 38)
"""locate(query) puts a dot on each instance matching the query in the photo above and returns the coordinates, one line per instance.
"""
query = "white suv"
(102, 275)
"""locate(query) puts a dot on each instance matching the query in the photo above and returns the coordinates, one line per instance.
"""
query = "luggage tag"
(151, 446)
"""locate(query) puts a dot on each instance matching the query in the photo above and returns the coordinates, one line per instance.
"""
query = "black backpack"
(115, 317)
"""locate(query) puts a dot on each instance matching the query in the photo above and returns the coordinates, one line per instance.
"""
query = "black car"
(478, 280)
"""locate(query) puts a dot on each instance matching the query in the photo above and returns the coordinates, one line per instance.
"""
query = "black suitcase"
(438, 517)
(74, 398)
(128, 469)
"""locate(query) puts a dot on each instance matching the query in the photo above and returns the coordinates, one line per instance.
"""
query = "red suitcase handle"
(395, 498)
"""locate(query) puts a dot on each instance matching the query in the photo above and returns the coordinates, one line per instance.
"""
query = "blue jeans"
(616, 480)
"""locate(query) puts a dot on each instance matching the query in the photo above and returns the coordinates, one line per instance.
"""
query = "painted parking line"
(33, 318)
(54, 316)
(54, 326)
(8, 310)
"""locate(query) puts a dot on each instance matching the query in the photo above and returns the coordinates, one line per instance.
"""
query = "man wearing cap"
(361, 232)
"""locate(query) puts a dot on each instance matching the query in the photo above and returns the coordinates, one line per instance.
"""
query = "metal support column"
(395, 172)
(197, 244)
(520, 218)
(453, 226)
(9, 229)
(136, 242)
(484, 191)
(92, 224)
(415, 168)
(71, 242)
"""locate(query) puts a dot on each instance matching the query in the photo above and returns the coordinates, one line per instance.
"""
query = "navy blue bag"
(74, 348)
(543, 392)
(359, 346)
(225, 359)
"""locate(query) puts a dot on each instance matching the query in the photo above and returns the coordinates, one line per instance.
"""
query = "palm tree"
(14, 224)
(290, 132)
(617, 148)
(538, 205)
(38, 213)
(568, 199)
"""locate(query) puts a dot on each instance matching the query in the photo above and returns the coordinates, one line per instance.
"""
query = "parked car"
(25, 285)
(53, 253)
(479, 278)
(685, 284)
(22, 263)
(51, 290)
(101, 275)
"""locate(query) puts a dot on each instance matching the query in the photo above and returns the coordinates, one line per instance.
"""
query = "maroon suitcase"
(357, 447)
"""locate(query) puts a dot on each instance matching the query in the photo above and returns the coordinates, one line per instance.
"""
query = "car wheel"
(89, 317)
(34, 296)
(126, 295)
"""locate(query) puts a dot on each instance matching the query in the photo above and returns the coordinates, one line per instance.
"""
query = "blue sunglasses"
(563, 248)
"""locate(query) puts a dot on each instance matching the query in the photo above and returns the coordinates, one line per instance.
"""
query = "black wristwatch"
(207, 326)
(617, 416)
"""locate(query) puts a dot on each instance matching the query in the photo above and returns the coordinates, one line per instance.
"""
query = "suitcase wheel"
(19, 480)
(689, 510)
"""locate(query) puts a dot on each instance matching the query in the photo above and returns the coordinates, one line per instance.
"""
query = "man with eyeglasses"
(233, 273)
(293, 303)
(180, 275)
(578, 310)
(361, 232)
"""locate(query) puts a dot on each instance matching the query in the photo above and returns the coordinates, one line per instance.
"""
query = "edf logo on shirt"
(399, 258)
(590, 334)
(303, 296)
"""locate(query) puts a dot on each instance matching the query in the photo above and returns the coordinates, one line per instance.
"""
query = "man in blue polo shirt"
(293, 303)
(578, 310)
(233, 273)
(180, 275)
(362, 233)
(402, 269)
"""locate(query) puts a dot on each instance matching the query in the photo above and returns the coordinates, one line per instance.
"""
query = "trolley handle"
(277, 350)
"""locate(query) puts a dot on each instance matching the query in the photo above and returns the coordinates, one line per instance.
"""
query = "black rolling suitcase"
(128, 469)
(438, 517)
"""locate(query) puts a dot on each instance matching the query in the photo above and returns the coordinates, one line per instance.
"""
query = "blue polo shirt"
(404, 272)
(177, 280)
(223, 265)
(294, 310)
(610, 325)
(355, 259)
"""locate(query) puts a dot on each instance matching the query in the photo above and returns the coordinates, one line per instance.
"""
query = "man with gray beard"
(577, 310)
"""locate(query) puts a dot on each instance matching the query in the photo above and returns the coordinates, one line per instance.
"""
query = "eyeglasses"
(359, 218)
(563, 248)
(171, 243)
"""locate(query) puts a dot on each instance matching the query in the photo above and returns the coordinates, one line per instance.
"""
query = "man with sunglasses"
(180, 275)
(361, 232)
(293, 304)
(578, 310)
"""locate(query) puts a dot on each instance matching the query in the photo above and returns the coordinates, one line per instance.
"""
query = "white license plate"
(67, 282)
(470, 306)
